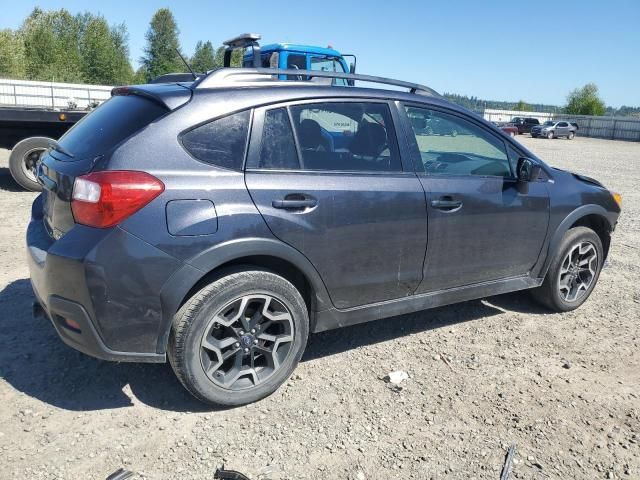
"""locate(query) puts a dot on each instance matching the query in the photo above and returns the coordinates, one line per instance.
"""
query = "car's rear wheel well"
(276, 265)
(598, 224)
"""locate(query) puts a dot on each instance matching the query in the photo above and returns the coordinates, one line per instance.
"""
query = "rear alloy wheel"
(239, 338)
(571, 135)
(246, 341)
(574, 271)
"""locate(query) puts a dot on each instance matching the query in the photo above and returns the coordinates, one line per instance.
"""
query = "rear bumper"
(93, 278)
(86, 339)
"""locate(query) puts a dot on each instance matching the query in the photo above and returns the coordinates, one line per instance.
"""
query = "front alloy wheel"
(573, 272)
(578, 271)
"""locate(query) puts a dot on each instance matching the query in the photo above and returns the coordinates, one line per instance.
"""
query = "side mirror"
(527, 170)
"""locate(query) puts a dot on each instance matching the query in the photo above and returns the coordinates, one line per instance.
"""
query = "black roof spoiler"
(168, 95)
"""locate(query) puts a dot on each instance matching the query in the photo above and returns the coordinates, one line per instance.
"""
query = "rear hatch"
(91, 141)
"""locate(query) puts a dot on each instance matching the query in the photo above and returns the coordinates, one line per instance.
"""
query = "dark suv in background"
(218, 223)
(524, 124)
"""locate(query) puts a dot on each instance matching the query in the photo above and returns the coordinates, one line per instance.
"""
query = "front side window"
(451, 145)
(346, 136)
(221, 142)
(325, 64)
(297, 62)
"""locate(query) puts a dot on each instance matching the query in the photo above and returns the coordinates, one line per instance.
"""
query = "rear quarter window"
(221, 142)
(112, 122)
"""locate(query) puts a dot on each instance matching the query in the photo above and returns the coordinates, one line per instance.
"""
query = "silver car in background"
(554, 129)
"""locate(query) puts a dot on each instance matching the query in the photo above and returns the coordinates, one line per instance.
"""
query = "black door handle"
(446, 204)
(294, 204)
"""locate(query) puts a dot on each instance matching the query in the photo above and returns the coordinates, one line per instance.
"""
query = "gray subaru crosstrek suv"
(220, 222)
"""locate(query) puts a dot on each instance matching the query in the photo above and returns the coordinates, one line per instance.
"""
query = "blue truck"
(298, 57)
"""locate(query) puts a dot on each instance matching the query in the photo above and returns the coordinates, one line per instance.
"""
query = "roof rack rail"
(224, 76)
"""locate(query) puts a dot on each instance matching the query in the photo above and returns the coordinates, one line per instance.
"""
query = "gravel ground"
(565, 389)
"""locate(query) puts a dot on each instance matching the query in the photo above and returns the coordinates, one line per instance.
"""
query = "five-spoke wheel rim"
(246, 341)
(578, 271)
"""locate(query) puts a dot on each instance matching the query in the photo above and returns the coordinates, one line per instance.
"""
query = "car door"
(484, 225)
(562, 129)
(331, 180)
(530, 122)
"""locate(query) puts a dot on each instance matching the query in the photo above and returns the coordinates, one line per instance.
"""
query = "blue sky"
(507, 50)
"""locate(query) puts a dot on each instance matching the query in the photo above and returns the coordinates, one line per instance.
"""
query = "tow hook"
(37, 310)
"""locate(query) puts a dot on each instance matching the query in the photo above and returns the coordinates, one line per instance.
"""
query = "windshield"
(548, 123)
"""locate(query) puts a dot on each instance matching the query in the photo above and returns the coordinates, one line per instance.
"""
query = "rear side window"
(116, 119)
(221, 142)
(346, 136)
(278, 149)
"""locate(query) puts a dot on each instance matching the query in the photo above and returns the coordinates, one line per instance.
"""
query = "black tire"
(570, 136)
(194, 318)
(23, 153)
(550, 135)
(549, 293)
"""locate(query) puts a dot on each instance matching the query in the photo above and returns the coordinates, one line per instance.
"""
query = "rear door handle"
(295, 202)
(446, 203)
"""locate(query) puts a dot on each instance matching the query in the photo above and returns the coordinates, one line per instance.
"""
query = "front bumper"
(93, 278)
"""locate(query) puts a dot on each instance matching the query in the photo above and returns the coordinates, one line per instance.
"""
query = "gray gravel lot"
(565, 389)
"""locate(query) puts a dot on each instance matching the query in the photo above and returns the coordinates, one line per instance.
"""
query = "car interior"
(346, 136)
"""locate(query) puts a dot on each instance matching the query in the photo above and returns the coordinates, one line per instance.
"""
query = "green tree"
(204, 58)
(236, 57)
(97, 52)
(521, 106)
(122, 69)
(161, 53)
(140, 76)
(585, 101)
(12, 59)
(51, 46)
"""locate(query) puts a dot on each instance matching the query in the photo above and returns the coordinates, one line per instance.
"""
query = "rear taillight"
(104, 199)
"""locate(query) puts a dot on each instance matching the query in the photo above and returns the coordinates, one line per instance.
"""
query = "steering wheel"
(295, 67)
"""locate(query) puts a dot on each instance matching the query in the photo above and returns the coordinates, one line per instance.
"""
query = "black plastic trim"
(87, 340)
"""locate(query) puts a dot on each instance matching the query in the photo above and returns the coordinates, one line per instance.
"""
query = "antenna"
(195, 77)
